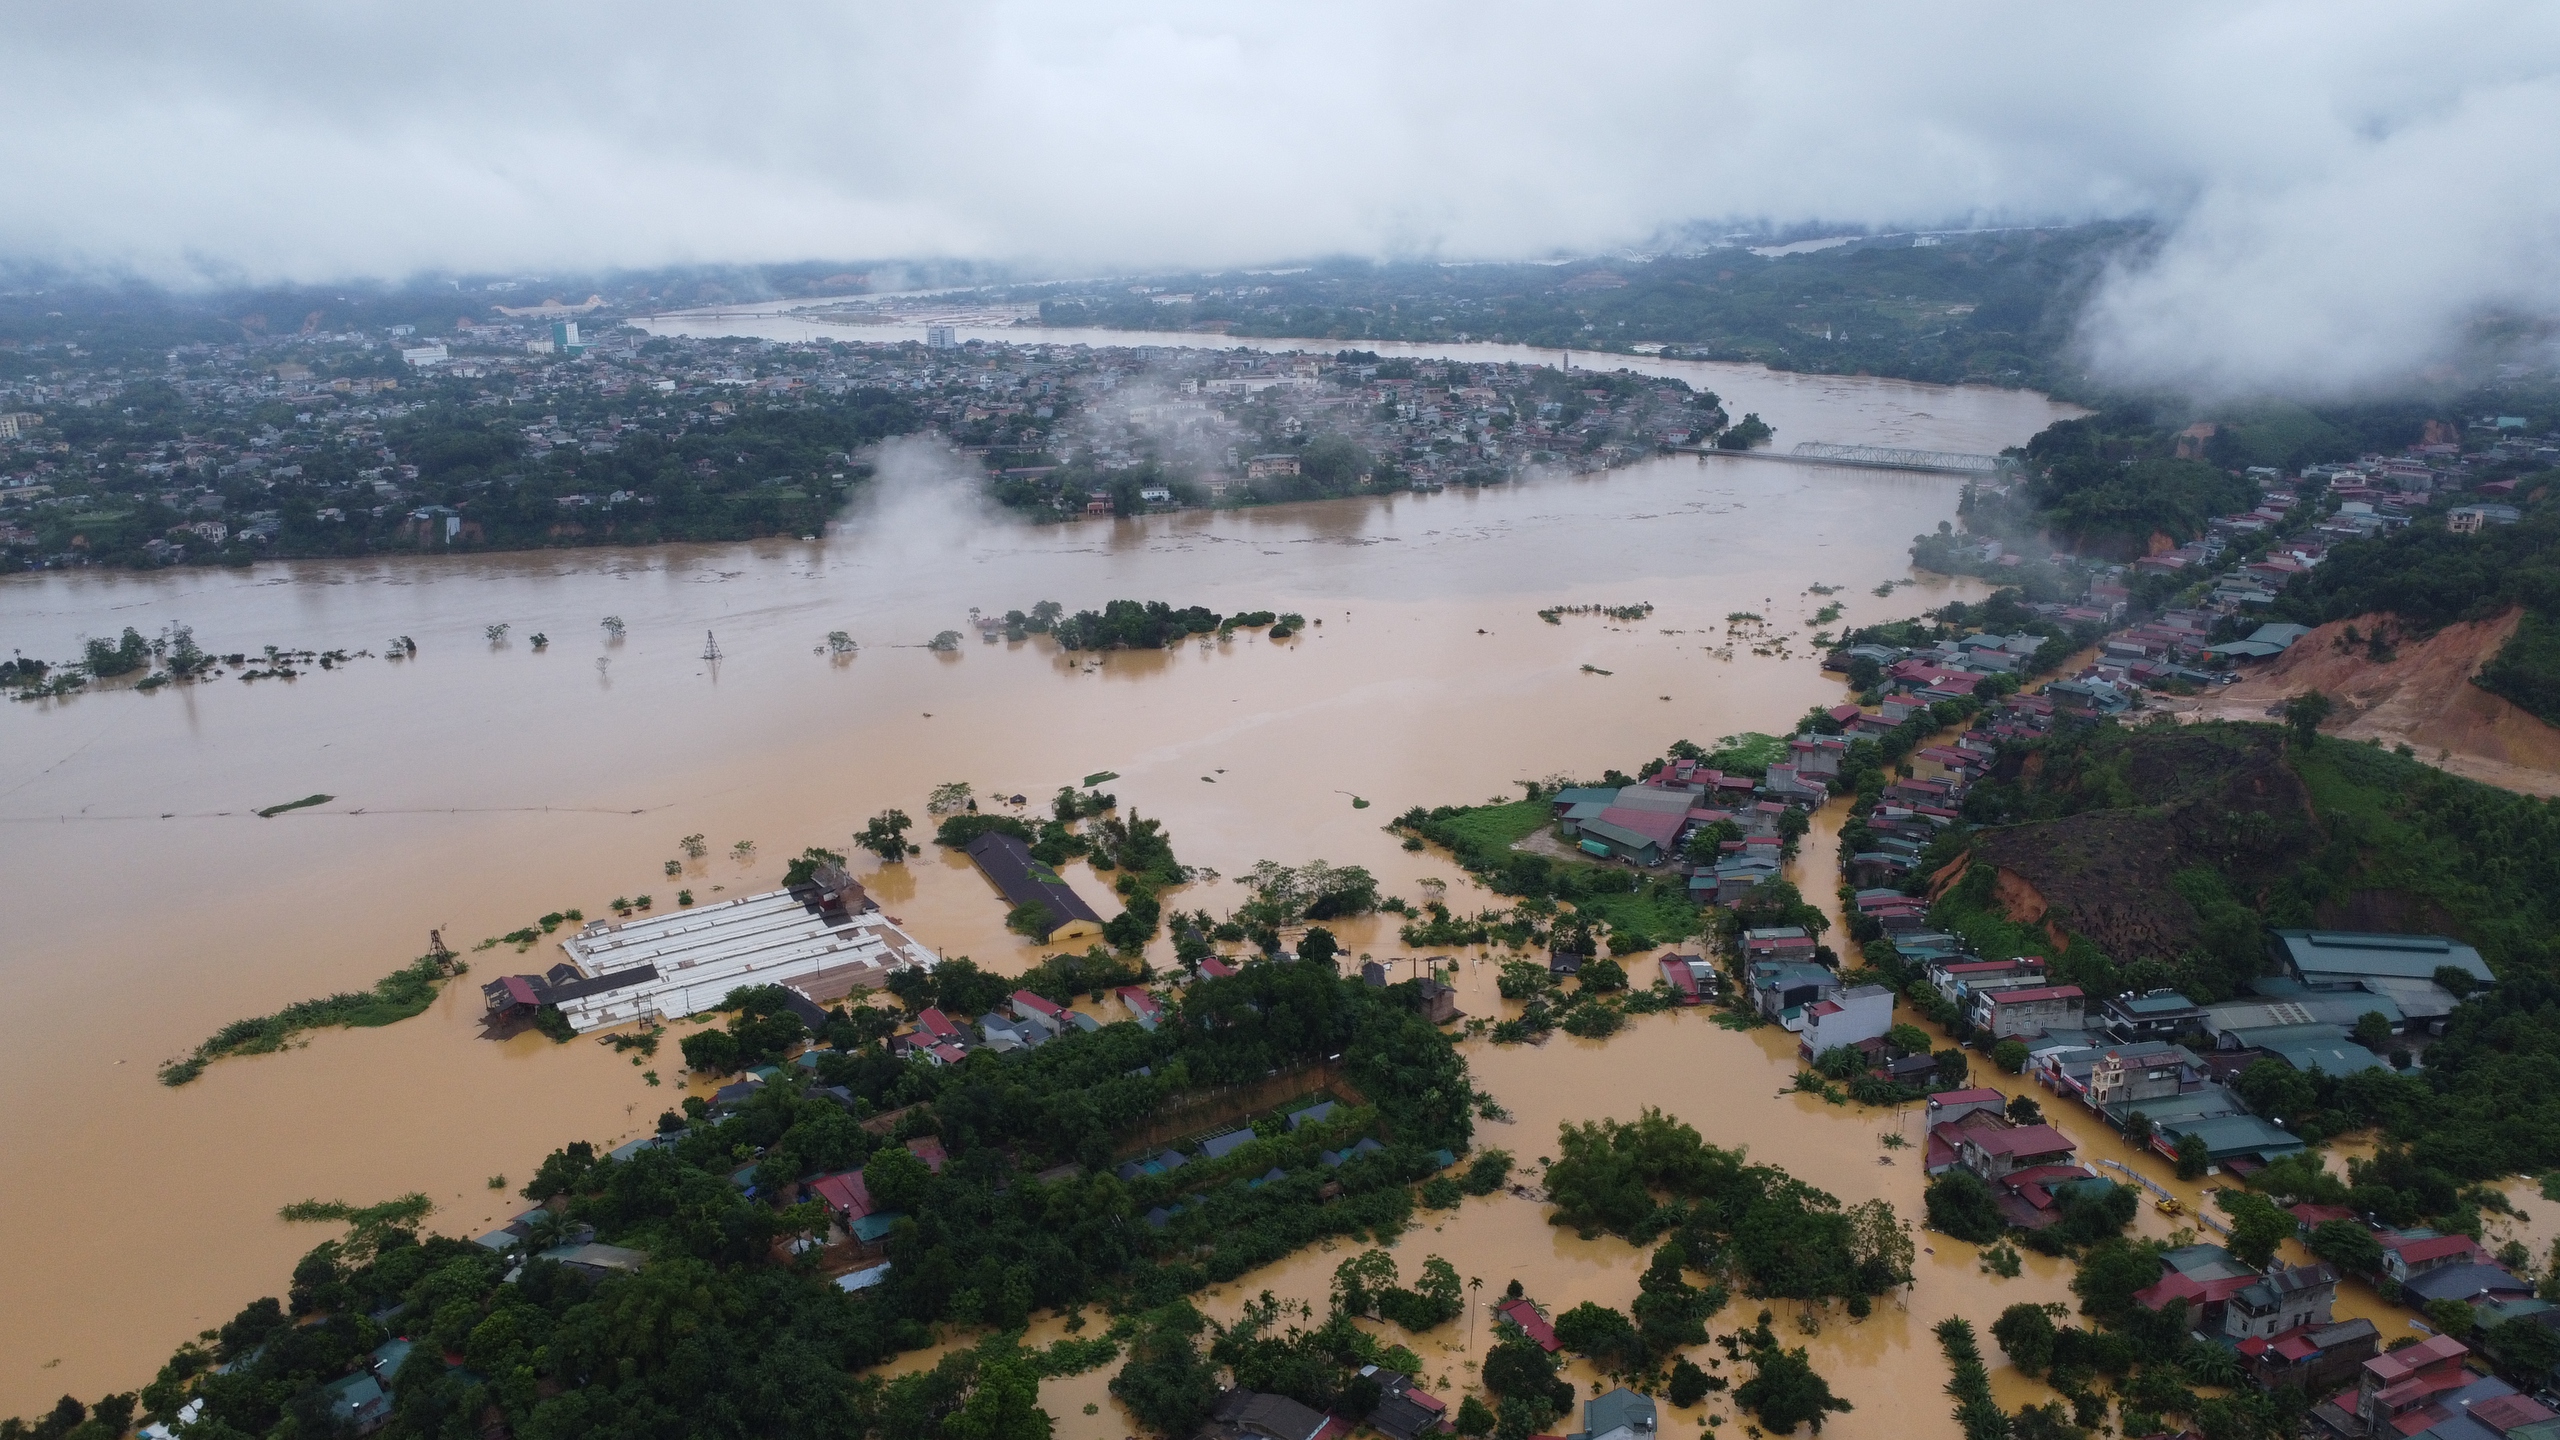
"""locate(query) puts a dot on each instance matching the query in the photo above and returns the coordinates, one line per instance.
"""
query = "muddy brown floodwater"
(480, 786)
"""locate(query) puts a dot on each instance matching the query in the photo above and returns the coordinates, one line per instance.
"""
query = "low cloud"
(2342, 187)
(2372, 265)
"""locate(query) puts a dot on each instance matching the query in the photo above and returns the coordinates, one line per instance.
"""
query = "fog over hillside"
(2342, 188)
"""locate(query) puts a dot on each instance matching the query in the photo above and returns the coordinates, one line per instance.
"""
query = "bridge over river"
(1880, 457)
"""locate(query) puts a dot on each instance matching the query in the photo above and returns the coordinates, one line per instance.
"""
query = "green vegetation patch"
(395, 997)
(1749, 753)
(274, 810)
(1775, 1234)
(1484, 828)
(2526, 669)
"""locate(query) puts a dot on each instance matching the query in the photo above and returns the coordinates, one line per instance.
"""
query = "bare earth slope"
(2423, 697)
(2110, 874)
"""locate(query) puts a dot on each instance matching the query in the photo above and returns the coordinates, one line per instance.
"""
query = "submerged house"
(1024, 879)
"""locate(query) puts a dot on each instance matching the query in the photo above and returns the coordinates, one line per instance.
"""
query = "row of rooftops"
(821, 943)
(2115, 1057)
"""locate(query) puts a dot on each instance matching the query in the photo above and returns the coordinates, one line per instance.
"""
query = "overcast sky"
(2344, 186)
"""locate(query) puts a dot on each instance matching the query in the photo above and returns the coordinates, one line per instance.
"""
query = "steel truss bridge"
(1878, 457)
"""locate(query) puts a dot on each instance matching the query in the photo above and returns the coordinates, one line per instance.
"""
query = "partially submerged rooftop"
(700, 955)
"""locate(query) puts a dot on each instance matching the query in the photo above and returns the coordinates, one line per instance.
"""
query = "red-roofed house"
(2403, 1257)
(935, 1038)
(2308, 1217)
(2398, 1382)
(1942, 762)
(2507, 1414)
(1949, 1114)
(1525, 1315)
(1026, 1005)
(1147, 1008)
(1994, 1152)
(1692, 977)
(1944, 1113)
(2205, 1277)
(1948, 1106)
(2032, 1198)
(929, 1150)
(1216, 969)
(2315, 1359)
(844, 1195)
(1659, 827)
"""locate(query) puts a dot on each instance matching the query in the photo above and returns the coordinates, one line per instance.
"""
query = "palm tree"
(2210, 1365)
(547, 1231)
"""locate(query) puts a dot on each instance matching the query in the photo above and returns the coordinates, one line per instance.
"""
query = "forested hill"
(2164, 855)
(1996, 307)
(2167, 850)
(2106, 484)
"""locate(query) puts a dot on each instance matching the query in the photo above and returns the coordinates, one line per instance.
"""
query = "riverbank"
(475, 788)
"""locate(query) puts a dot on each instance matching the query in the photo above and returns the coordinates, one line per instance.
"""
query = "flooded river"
(480, 785)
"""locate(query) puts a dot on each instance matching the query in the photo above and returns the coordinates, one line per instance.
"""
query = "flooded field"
(480, 785)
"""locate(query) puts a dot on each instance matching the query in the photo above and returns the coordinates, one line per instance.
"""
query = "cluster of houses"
(2029, 1167)
(2428, 1391)
(1651, 822)
(2365, 498)
(1024, 1021)
(2160, 1063)
(2155, 1064)
(2280, 1322)
(2278, 1319)
(1405, 1410)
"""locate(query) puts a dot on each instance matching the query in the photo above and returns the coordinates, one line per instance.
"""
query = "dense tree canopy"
(722, 1333)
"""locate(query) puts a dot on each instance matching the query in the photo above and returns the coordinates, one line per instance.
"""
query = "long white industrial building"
(699, 955)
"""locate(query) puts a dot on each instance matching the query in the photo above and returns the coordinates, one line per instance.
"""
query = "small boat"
(2168, 1207)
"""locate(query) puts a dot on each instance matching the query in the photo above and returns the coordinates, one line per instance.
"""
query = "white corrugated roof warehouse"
(703, 953)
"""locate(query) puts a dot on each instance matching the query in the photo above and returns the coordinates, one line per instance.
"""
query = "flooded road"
(481, 785)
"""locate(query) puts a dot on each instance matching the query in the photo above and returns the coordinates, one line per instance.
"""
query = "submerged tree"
(885, 835)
